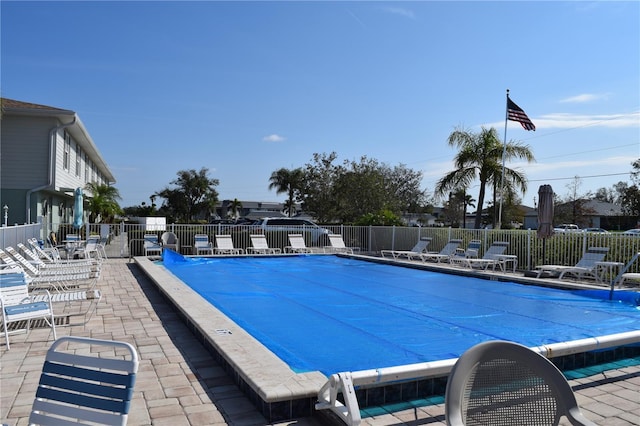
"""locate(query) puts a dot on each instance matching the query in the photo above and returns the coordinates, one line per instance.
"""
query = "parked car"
(293, 225)
(632, 232)
(565, 227)
(597, 230)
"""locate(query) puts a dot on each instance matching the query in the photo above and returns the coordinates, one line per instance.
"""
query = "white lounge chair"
(49, 254)
(443, 256)
(224, 245)
(58, 277)
(297, 244)
(505, 383)
(84, 383)
(261, 246)
(18, 304)
(337, 245)
(202, 245)
(152, 245)
(418, 249)
(47, 261)
(493, 256)
(68, 303)
(630, 276)
(586, 266)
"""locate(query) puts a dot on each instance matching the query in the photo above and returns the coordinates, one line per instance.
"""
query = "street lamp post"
(6, 214)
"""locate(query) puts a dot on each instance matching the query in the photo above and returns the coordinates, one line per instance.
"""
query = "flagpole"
(504, 155)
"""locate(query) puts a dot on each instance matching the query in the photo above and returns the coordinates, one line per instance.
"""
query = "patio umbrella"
(77, 209)
(545, 216)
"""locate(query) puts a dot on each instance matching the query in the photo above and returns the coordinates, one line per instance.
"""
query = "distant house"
(597, 214)
(45, 154)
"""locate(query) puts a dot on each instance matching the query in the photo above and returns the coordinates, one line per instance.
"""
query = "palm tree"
(235, 206)
(480, 157)
(102, 201)
(289, 181)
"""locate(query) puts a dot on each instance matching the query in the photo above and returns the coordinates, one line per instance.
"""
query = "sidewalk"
(180, 384)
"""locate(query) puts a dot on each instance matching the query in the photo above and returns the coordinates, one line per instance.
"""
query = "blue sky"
(245, 88)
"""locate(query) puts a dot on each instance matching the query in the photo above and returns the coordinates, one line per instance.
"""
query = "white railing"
(12, 235)
(561, 249)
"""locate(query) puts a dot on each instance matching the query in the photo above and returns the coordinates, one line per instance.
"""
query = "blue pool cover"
(335, 314)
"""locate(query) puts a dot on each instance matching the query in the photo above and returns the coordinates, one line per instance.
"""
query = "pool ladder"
(622, 271)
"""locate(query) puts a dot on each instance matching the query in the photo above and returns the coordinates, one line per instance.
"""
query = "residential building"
(45, 154)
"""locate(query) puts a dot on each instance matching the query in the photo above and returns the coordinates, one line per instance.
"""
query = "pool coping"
(267, 374)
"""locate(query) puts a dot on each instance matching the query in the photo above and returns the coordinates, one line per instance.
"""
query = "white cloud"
(400, 11)
(273, 138)
(585, 97)
(568, 120)
(565, 120)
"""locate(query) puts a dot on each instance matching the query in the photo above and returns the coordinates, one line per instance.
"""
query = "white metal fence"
(124, 240)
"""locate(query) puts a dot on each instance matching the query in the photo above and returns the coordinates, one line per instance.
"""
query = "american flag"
(515, 113)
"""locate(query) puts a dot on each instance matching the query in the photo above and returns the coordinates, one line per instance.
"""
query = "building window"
(67, 151)
(87, 173)
(93, 172)
(78, 160)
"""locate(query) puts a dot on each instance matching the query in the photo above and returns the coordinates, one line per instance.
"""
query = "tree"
(289, 181)
(573, 209)
(235, 206)
(318, 193)
(348, 191)
(103, 202)
(194, 194)
(480, 157)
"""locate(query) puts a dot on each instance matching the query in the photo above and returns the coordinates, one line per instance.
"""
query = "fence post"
(393, 237)
(529, 249)
(123, 240)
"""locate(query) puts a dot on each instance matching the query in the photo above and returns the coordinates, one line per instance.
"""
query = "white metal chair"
(152, 245)
(18, 305)
(261, 246)
(499, 383)
(202, 245)
(85, 387)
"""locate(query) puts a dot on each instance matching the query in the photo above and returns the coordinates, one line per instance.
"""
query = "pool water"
(335, 314)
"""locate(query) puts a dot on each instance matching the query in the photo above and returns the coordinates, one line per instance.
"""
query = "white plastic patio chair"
(170, 241)
(85, 387)
(505, 383)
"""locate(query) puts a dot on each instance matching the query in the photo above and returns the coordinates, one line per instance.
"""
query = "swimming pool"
(334, 314)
